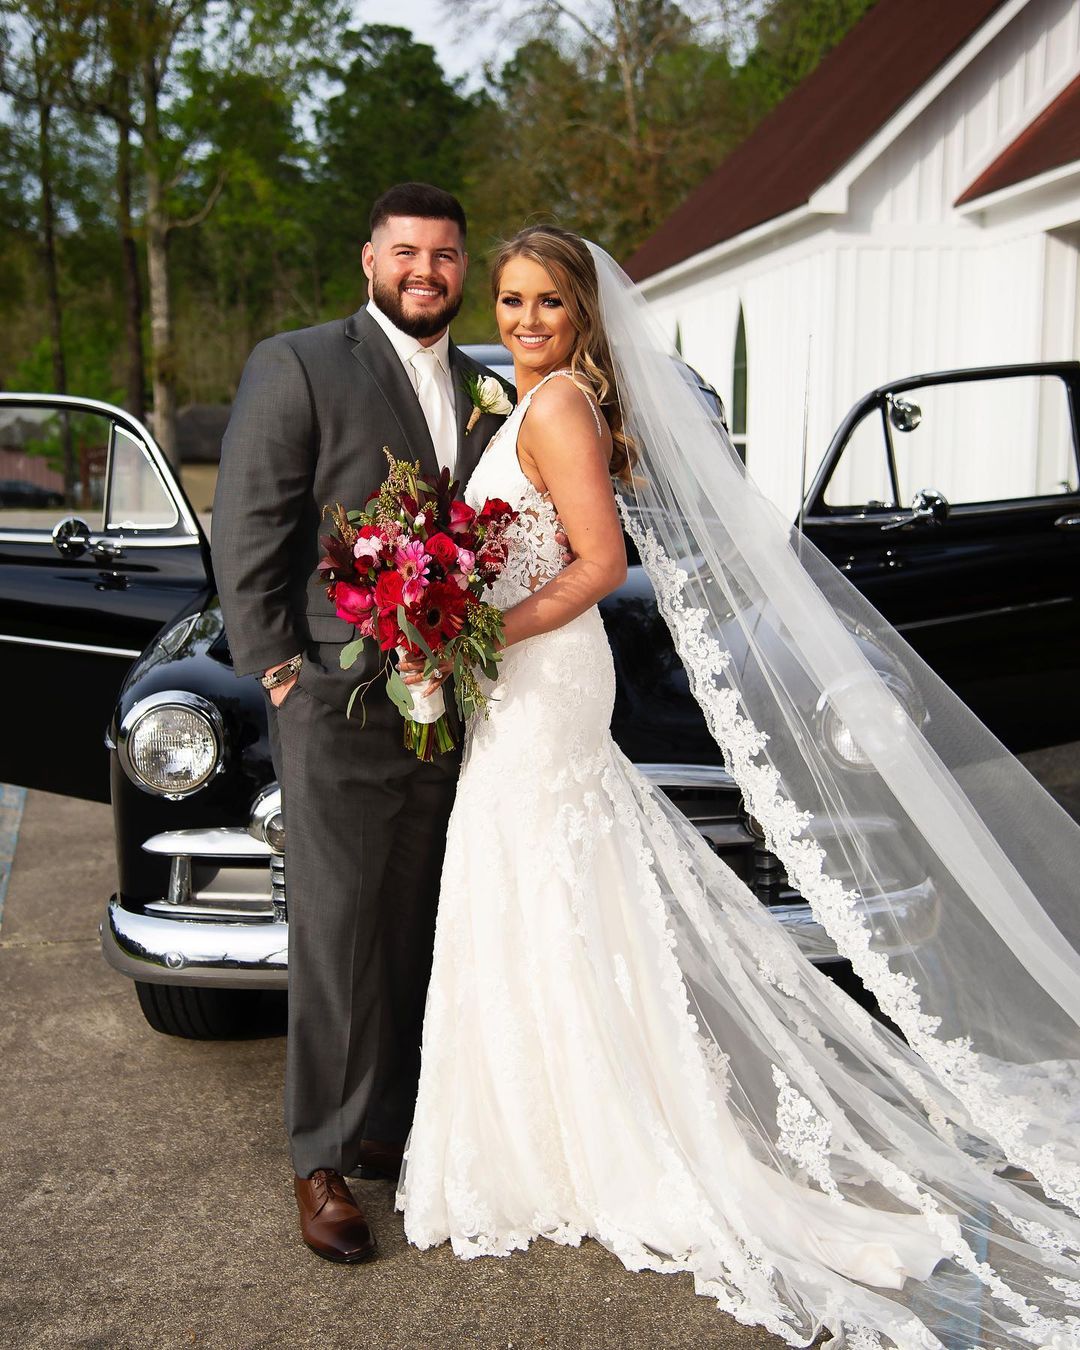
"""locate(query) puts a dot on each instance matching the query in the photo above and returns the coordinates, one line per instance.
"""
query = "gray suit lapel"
(469, 447)
(373, 350)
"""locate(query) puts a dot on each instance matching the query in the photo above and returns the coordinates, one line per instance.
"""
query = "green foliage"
(394, 118)
(792, 37)
(289, 123)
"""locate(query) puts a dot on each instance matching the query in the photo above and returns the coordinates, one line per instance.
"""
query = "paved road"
(146, 1196)
(144, 1187)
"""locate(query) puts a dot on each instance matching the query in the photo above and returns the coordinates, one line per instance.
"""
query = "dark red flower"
(353, 603)
(443, 549)
(337, 561)
(439, 613)
(388, 590)
(494, 509)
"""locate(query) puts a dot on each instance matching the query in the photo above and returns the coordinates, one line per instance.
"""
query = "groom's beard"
(391, 300)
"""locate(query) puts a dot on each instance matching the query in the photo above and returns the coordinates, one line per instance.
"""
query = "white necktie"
(431, 391)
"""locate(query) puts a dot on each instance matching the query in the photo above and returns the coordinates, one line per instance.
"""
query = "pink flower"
(466, 560)
(411, 559)
(414, 589)
(368, 548)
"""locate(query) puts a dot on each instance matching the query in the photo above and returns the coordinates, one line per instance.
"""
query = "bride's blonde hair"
(567, 260)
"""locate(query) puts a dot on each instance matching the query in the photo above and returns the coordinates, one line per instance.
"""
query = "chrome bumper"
(162, 950)
(254, 955)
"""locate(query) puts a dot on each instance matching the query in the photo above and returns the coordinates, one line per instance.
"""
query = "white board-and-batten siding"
(900, 280)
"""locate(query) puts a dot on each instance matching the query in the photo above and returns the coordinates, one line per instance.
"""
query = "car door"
(84, 587)
(982, 575)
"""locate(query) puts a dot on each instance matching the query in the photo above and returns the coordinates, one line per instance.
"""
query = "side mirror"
(903, 414)
(928, 507)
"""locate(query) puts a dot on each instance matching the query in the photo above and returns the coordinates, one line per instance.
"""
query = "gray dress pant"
(365, 831)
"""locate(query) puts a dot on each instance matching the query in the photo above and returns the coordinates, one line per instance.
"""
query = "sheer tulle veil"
(982, 975)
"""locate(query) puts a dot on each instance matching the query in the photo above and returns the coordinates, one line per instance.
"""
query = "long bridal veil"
(972, 1119)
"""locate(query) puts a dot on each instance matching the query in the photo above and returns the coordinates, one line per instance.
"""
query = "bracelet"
(283, 674)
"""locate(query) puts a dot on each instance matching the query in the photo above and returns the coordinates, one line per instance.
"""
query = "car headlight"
(171, 743)
(838, 737)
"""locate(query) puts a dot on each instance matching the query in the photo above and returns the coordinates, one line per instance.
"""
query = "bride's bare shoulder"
(564, 407)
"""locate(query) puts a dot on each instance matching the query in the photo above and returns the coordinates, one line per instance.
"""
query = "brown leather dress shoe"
(331, 1222)
(377, 1161)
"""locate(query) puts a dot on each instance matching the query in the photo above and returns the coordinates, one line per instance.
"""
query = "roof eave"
(701, 262)
(1014, 191)
(832, 196)
(835, 189)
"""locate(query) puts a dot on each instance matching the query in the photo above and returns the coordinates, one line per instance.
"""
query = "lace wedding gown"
(620, 1043)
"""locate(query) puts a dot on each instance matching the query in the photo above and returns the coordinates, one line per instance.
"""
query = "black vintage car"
(115, 625)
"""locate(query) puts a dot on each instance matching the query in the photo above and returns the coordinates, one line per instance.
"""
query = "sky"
(430, 22)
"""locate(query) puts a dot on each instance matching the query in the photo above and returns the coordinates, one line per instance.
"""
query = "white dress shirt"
(428, 368)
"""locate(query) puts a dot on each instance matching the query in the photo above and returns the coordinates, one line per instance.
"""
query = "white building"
(914, 205)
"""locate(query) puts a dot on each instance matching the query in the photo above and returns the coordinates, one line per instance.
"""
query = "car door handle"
(106, 549)
(1068, 522)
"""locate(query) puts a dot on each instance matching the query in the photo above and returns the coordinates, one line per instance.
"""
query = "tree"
(39, 38)
(395, 118)
(613, 108)
(144, 48)
(791, 38)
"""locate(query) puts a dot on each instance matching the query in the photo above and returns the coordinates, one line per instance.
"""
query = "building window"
(738, 389)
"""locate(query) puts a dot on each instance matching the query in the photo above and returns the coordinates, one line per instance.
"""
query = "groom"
(366, 820)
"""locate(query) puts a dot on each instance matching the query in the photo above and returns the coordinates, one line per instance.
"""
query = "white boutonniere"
(488, 396)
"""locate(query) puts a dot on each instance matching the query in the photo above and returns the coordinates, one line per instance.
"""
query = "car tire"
(210, 1014)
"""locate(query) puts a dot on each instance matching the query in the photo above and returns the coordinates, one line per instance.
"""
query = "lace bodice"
(535, 556)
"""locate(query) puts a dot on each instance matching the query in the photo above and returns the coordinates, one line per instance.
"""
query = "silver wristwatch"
(283, 674)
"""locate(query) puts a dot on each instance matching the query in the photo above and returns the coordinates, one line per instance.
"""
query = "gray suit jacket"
(314, 409)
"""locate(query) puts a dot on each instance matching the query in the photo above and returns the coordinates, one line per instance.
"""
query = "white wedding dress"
(609, 1007)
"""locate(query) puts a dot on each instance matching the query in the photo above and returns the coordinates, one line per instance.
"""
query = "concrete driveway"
(145, 1189)
(147, 1198)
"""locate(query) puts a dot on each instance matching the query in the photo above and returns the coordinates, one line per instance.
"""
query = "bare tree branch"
(204, 210)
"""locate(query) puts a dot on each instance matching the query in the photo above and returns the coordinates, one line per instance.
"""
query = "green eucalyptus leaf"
(399, 693)
(350, 653)
(411, 633)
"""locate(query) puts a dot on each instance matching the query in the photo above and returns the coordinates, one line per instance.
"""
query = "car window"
(138, 499)
(35, 442)
(984, 440)
(988, 440)
(861, 478)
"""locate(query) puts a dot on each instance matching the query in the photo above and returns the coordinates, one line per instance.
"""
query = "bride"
(620, 1042)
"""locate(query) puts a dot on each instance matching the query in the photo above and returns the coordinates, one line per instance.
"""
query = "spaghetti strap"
(589, 395)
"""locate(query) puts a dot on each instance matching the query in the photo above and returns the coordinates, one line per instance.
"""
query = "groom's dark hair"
(417, 199)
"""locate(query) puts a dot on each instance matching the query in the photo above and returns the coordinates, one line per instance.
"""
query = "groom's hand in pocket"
(281, 692)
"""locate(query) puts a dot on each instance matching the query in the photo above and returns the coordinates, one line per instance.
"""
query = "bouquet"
(408, 571)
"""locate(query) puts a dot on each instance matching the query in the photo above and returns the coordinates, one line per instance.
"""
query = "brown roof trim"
(1053, 139)
(882, 62)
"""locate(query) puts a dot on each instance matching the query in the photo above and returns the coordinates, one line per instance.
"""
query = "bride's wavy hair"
(564, 256)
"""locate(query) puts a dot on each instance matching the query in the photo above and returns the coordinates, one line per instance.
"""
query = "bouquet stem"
(428, 739)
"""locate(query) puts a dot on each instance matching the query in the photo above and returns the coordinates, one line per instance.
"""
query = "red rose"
(461, 518)
(493, 509)
(388, 632)
(353, 603)
(443, 549)
(388, 591)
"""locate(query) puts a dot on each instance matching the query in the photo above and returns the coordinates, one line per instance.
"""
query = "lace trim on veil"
(984, 1095)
